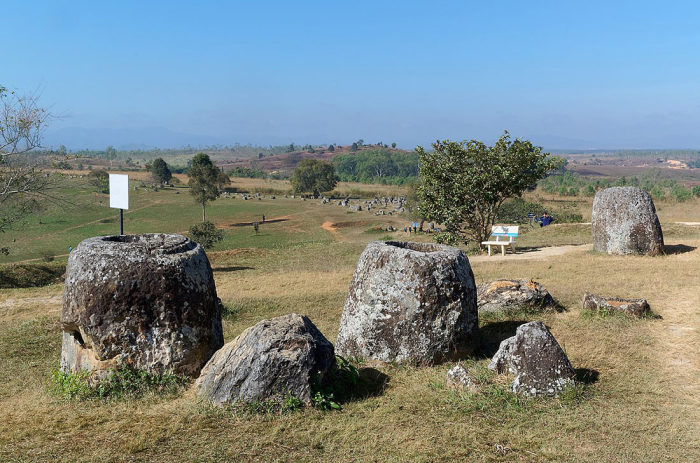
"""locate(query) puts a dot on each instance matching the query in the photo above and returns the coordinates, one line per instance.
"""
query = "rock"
(409, 302)
(146, 301)
(635, 307)
(458, 378)
(356, 208)
(536, 358)
(283, 355)
(501, 295)
(624, 221)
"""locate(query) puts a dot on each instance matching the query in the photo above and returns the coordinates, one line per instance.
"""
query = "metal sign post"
(119, 196)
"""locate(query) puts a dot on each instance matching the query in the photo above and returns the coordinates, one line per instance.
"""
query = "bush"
(206, 234)
(517, 210)
(680, 193)
(696, 190)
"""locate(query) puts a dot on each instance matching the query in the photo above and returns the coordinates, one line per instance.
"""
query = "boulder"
(501, 295)
(276, 357)
(409, 302)
(624, 221)
(536, 359)
(144, 301)
(459, 379)
(635, 307)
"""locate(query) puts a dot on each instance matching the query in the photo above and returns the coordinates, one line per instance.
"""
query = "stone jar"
(409, 302)
(143, 301)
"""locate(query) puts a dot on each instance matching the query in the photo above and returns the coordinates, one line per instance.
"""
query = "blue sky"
(563, 74)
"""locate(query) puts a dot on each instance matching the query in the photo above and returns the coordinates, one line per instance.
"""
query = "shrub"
(339, 386)
(696, 190)
(206, 234)
(680, 193)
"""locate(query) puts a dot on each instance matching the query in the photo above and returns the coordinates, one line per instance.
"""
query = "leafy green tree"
(393, 145)
(331, 148)
(206, 234)
(290, 148)
(354, 147)
(313, 175)
(160, 171)
(205, 181)
(465, 183)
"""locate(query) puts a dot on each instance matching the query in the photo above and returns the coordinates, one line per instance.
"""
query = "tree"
(205, 181)
(465, 183)
(354, 147)
(160, 171)
(331, 148)
(23, 186)
(313, 175)
(393, 145)
(110, 154)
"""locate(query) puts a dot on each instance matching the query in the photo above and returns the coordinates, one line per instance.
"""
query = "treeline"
(570, 183)
(685, 155)
(379, 165)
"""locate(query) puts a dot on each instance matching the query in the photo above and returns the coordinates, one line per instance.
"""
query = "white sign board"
(119, 191)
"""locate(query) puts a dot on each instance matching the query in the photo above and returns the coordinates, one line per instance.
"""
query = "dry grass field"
(640, 402)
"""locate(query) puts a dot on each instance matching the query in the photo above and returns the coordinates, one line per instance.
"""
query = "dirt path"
(532, 254)
(330, 227)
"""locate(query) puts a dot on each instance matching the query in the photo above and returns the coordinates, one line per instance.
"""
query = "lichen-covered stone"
(409, 302)
(635, 307)
(536, 359)
(624, 221)
(501, 295)
(144, 301)
(276, 357)
(459, 379)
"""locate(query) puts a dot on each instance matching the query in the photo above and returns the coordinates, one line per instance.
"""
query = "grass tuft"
(118, 384)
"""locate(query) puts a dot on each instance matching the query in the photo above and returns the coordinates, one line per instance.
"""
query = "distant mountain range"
(77, 138)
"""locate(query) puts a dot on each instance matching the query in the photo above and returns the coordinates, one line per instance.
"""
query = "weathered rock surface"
(409, 302)
(146, 301)
(283, 355)
(624, 221)
(536, 358)
(635, 307)
(458, 378)
(500, 295)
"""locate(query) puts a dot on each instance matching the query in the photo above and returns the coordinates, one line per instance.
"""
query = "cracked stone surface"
(501, 295)
(635, 307)
(409, 302)
(145, 301)
(536, 359)
(275, 357)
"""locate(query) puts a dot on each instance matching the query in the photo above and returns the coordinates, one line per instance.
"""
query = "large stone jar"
(144, 301)
(409, 302)
(624, 221)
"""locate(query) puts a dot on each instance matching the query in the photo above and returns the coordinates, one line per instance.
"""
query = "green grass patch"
(31, 275)
(118, 384)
